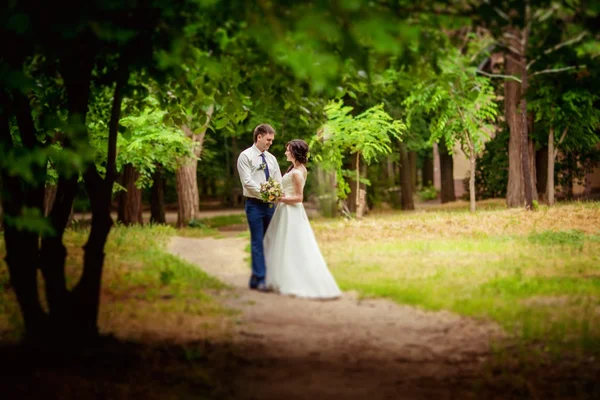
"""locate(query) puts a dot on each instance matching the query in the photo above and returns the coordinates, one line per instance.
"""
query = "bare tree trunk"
(472, 203)
(551, 158)
(541, 171)
(353, 200)
(427, 171)
(157, 201)
(532, 158)
(390, 172)
(187, 181)
(49, 196)
(525, 159)
(520, 183)
(188, 198)
(359, 207)
(130, 200)
(512, 95)
(86, 294)
(447, 174)
(405, 180)
(22, 246)
(412, 159)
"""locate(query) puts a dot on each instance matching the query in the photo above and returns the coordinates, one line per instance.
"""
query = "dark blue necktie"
(267, 174)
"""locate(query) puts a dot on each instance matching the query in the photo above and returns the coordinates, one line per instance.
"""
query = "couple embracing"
(285, 254)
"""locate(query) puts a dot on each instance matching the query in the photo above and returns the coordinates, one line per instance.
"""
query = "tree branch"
(553, 70)
(113, 125)
(502, 14)
(562, 137)
(569, 42)
(511, 77)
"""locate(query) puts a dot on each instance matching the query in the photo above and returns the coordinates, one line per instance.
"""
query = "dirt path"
(342, 349)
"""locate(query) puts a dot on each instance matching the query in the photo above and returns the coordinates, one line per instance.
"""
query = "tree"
(367, 136)
(113, 41)
(517, 26)
(572, 113)
(462, 104)
(146, 148)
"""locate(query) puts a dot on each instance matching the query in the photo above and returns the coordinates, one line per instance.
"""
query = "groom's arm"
(245, 171)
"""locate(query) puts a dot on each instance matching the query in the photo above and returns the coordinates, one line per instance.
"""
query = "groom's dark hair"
(263, 129)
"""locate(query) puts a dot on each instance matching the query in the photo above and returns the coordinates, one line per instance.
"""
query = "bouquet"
(270, 191)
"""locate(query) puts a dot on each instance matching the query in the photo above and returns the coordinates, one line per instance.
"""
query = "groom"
(255, 165)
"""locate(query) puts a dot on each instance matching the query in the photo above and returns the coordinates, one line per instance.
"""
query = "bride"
(294, 262)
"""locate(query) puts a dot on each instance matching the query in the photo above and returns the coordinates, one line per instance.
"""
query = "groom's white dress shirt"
(251, 174)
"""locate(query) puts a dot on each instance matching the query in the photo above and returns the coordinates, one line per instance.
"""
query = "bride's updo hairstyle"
(299, 149)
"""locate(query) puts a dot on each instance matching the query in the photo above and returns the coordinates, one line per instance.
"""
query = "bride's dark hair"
(299, 149)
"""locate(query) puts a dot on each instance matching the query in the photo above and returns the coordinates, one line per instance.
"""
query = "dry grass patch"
(487, 265)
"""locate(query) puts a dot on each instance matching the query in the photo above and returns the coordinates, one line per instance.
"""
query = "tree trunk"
(353, 199)
(412, 160)
(87, 290)
(130, 200)
(550, 174)
(86, 294)
(541, 172)
(525, 158)
(54, 254)
(188, 198)
(427, 170)
(532, 158)
(512, 95)
(358, 184)
(406, 187)
(472, 161)
(49, 196)
(447, 193)
(157, 201)
(22, 246)
(390, 172)
(187, 181)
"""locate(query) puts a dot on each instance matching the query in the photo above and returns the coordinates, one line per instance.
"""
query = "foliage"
(146, 142)
(491, 172)
(460, 102)
(428, 193)
(368, 135)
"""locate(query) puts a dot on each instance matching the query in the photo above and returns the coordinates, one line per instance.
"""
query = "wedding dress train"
(295, 265)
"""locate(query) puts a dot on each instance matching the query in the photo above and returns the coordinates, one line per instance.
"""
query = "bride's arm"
(298, 189)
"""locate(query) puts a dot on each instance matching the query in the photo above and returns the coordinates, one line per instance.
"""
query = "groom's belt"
(255, 200)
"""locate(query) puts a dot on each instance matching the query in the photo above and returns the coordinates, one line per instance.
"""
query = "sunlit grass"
(535, 273)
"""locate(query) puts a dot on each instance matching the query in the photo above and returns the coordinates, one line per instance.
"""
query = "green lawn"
(536, 273)
(146, 291)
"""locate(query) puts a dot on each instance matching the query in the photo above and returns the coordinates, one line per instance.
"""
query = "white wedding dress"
(295, 265)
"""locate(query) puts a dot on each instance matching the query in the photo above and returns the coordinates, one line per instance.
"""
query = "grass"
(214, 226)
(146, 291)
(537, 274)
(169, 336)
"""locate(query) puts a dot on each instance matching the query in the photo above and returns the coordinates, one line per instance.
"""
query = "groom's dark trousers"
(259, 216)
